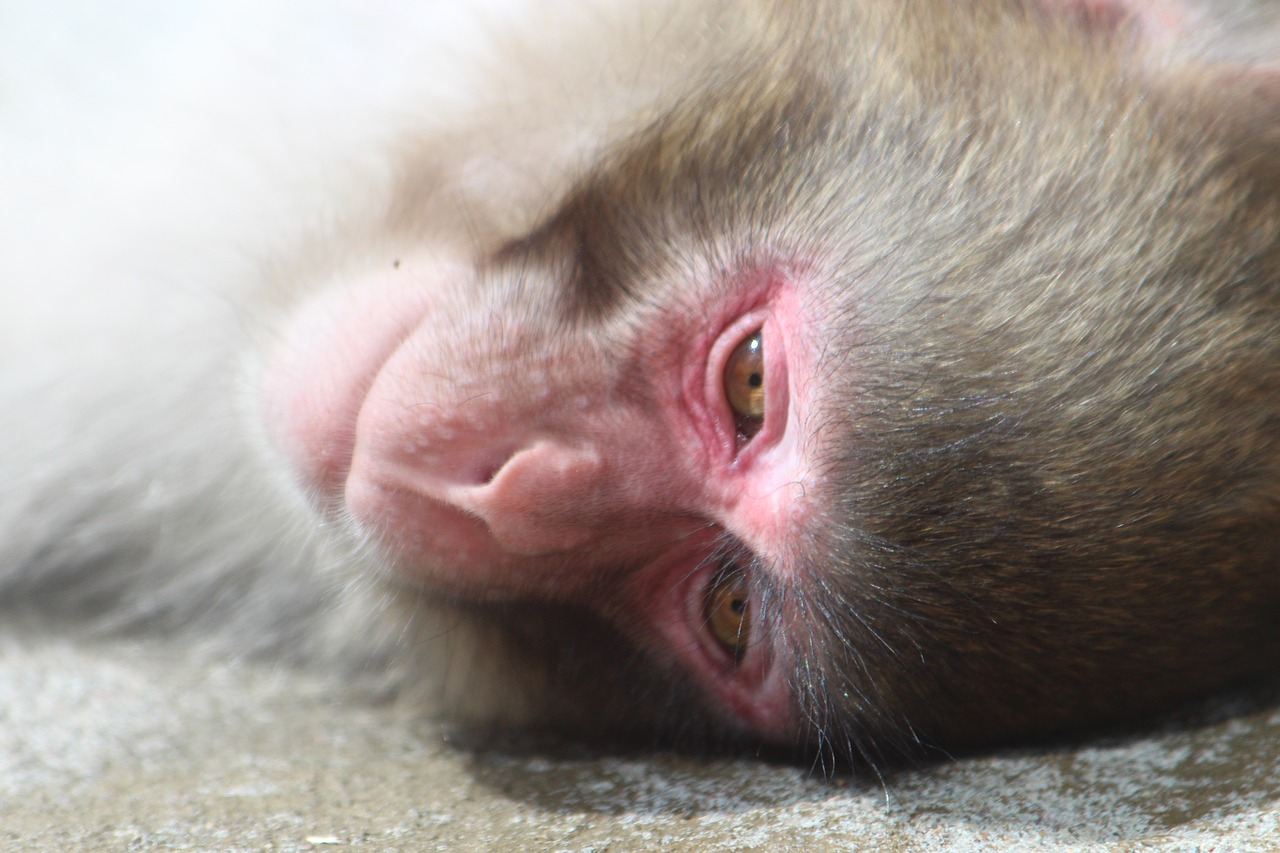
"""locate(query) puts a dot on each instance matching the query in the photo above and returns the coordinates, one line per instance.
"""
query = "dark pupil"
(755, 380)
(738, 605)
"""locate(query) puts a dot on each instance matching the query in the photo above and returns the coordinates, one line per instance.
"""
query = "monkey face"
(838, 393)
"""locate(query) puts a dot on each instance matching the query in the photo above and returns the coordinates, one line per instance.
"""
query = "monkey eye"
(728, 611)
(744, 384)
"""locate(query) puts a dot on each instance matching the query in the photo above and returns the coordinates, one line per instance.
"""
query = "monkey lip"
(319, 376)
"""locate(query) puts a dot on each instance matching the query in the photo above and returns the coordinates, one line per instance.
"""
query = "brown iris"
(744, 384)
(728, 611)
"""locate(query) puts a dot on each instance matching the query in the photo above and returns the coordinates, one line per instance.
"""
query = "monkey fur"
(1024, 257)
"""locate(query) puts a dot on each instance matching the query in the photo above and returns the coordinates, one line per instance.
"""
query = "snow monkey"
(849, 377)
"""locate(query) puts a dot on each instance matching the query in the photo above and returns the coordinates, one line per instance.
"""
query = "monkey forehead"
(947, 104)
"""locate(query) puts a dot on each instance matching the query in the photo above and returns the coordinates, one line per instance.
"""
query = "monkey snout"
(544, 498)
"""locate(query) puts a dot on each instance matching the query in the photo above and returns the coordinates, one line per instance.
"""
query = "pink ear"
(1182, 28)
(1152, 20)
(1185, 52)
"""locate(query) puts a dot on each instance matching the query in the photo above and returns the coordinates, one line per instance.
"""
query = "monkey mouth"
(319, 376)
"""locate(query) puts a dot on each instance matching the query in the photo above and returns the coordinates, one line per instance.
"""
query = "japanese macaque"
(850, 377)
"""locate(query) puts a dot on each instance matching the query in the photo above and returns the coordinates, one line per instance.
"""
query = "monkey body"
(448, 374)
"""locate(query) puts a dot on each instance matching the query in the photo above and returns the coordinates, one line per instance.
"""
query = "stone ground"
(117, 748)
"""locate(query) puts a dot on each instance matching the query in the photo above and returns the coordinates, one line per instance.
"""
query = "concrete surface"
(122, 748)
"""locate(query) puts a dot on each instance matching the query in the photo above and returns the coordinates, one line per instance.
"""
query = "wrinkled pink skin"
(494, 459)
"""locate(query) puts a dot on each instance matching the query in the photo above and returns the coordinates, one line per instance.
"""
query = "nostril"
(487, 475)
(472, 470)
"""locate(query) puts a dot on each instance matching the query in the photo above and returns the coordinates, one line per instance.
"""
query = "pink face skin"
(499, 457)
